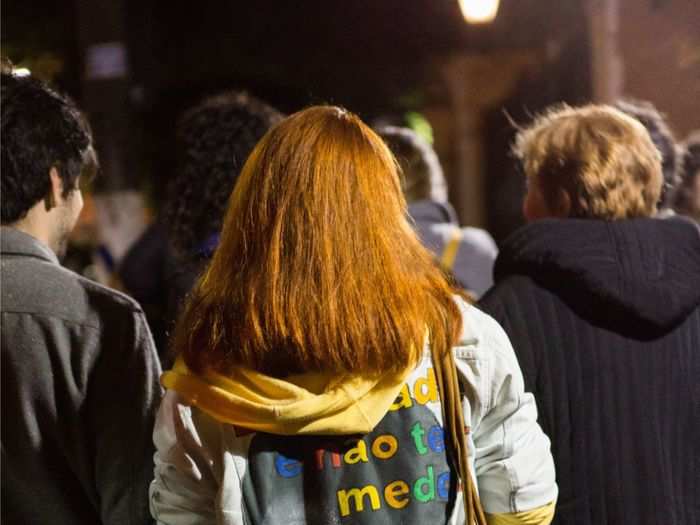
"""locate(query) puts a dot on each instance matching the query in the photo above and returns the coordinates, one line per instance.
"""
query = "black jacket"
(143, 272)
(79, 395)
(160, 281)
(605, 320)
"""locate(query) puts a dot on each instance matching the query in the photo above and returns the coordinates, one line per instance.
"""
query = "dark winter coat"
(160, 281)
(605, 321)
(143, 273)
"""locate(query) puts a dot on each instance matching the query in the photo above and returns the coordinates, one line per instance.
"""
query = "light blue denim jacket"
(200, 463)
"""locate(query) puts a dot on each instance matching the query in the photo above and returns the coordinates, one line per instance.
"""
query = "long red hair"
(318, 268)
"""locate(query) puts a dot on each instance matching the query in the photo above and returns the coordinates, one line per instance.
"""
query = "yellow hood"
(312, 403)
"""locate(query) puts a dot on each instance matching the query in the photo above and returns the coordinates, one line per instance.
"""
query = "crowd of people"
(309, 336)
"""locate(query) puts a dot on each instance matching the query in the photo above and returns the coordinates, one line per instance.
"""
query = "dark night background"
(379, 58)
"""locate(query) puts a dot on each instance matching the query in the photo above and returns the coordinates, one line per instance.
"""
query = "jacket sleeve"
(192, 469)
(513, 463)
(123, 397)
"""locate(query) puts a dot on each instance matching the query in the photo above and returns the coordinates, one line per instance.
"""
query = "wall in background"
(660, 47)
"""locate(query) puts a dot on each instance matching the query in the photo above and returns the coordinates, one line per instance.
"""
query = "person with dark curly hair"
(662, 137)
(214, 139)
(79, 369)
(61, 145)
(688, 197)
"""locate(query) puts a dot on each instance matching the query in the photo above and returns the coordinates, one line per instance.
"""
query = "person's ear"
(55, 195)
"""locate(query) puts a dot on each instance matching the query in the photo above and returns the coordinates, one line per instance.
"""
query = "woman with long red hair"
(304, 390)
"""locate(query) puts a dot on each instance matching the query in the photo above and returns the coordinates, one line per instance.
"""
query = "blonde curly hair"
(601, 158)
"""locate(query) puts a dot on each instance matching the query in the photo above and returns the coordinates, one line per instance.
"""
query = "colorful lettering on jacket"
(399, 467)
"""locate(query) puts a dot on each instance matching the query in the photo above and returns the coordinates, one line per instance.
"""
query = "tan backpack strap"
(455, 430)
(449, 254)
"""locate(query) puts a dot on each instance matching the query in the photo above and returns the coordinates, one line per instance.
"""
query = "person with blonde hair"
(304, 390)
(601, 300)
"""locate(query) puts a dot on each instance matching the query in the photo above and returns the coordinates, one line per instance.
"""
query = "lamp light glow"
(21, 72)
(479, 11)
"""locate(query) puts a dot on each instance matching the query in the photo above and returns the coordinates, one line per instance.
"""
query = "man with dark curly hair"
(79, 369)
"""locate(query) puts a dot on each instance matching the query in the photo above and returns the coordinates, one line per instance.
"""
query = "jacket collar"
(15, 242)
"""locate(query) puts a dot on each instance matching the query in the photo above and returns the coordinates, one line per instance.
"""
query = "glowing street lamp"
(479, 11)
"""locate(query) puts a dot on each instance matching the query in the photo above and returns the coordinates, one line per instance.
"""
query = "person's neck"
(36, 224)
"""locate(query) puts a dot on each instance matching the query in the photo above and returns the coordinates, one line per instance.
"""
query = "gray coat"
(79, 393)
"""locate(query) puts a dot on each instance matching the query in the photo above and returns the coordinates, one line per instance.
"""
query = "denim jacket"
(210, 472)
